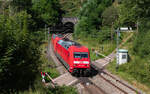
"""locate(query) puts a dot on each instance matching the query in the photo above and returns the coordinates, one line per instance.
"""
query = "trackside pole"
(43, 79)
(53, 83)
(117, 50)
(48, 35)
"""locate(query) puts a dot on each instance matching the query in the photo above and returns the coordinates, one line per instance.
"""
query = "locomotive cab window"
(80, 55)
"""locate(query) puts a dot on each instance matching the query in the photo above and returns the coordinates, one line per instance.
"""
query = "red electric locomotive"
(74, 56)
(54, 40)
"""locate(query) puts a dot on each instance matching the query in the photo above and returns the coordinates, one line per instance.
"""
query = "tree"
(19, 55)
(110, 15)
(22, 5)
(133, 10)
(42, 12)
(46, 12)
(90, 18)
(141, 43)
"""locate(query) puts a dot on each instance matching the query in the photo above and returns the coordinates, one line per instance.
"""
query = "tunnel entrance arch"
(69, 24)
(68, 27)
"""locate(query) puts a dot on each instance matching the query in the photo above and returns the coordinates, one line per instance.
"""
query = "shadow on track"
(93, 72)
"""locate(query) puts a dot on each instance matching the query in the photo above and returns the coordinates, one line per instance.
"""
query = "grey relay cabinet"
(123, 56)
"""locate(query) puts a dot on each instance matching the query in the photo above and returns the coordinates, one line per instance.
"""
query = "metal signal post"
(117, 50)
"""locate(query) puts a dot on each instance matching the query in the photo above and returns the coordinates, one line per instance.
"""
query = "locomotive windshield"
(80, 55)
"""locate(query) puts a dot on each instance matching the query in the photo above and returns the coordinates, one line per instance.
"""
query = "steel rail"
(113, 84)
(121, 82)
(84, 80)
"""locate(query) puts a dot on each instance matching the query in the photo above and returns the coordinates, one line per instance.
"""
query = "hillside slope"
(71, 7)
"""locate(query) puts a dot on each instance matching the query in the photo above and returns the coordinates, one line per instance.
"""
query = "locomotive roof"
(80, 49)
(66, 43)
(57, 35)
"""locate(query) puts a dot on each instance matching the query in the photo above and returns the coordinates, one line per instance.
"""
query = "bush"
(93, 56)
(141, 44)
(109, 16)
(62, 90)
(90, 21)
(19, 55)
(139, 69)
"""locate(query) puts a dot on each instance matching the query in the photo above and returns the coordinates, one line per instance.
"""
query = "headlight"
(86, 62)
(76, 62)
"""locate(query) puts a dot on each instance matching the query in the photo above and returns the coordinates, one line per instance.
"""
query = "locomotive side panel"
(62, 54)
(75, 58)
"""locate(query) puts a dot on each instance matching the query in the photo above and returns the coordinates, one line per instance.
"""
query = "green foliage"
(20, 5)
(48, 65)
(19, 45)
(14, 23)
(109, 16)
(94, 57)
(46, 12)
(42, 11)
(39, 89)
(141, 45)
(82, 32)
(104, 35)
(133, 10)
(139, 66)
(62, 90)
(19, 55)
(90, 20)
(71, 8)
(96, 15)
(52, 72)
(139, 69)
(141, 7)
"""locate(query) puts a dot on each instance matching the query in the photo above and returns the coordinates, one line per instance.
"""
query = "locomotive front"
(81, 60)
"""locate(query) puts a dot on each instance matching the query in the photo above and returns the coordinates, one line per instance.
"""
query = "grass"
(112, 68)
(108, 47)
(93, 56)
(48, 65)
(49, 90)
(124, 74)
(105, 48)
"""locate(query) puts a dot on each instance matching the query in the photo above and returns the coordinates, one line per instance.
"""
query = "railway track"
(122, 83)
(117, 83)
(114, 85)
(91, 87)
(65, 77)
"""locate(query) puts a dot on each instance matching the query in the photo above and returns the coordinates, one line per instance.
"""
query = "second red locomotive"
(74, 56)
